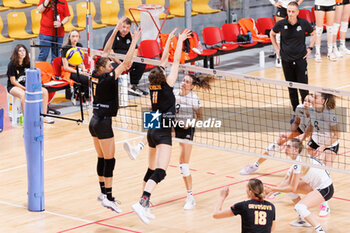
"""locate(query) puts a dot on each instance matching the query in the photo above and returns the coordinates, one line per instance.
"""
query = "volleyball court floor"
(71, 185)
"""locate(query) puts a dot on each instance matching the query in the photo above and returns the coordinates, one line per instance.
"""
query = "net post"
(32, 54)
(188, 14)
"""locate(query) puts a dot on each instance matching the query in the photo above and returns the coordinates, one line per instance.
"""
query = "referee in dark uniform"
(293, 51)
(121, 45)
(105, 106)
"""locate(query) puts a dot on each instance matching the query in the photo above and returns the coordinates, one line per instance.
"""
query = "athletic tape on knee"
(344, 26)
(335, 28)
(185, 169)
(302, 210)
(109, 167)
(148, 174)
(293, 195)
(100, 166)
(319, 31)
(278, 38)
(158, 175)
(329, 30)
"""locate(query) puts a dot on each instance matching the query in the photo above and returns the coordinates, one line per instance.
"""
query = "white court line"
(48, 212)
(66, 155)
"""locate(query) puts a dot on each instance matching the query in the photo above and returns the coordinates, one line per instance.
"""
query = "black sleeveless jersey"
(105, 93)
(163, 100)
(257, 216)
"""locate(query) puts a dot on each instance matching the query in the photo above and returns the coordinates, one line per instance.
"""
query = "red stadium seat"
(305, 14)
(212, 38)
(205, 52)
(264, 25)
(230, 31)
(150, 49)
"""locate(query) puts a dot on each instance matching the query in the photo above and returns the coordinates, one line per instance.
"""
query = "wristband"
(62, 24)
(311, 48)
(44, 4)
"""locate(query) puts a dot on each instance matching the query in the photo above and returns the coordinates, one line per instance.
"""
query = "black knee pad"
(100, 166)
(109, 167)
(158, 175)
(148, 174)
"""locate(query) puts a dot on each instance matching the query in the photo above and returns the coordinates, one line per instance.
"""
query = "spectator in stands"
(292, 51)
(51, 30)
(16, 86)
(281, 13)
(83, 77)
(121, 45)
(257, 214)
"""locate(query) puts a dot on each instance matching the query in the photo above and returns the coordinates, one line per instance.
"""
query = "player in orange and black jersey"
(258, 215)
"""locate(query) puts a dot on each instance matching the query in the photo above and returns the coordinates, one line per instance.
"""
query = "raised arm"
(129, 55)
(42, 7)
(218, 212)
(165, 56)
(107, 49)
(171, 79)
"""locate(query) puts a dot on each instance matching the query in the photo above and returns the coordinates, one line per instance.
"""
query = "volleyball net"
(242, 114)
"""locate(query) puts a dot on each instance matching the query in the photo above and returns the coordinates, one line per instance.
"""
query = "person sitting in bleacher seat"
(16, 86)
(121, 45)
(83, 78)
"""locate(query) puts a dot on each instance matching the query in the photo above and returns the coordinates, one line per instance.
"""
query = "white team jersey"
(285, 2)
(300, 112)
(296, 168)
(317, 178)
(325, 2)
(322, 122)
(185, 105)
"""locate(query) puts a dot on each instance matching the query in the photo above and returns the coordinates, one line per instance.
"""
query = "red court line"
(167, 202)
(231, 177)
(172, 165)
(211, 173)
(119, 228)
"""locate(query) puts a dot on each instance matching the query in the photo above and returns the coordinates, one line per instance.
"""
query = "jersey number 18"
(155, 97)
(260, 217)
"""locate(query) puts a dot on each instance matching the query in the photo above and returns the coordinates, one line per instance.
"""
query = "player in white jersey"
(281, 13)
(188, 108)
(322, 8)
(324, 128)
(315, 183)
(298, 128)
(341, 20)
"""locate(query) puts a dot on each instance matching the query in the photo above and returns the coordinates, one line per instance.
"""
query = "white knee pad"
(335, 28)
(293, 195)
(301, 210)
(319, 31)
(272, 148)
(344, 26)
(278, 38)
(329, 30)
(185, 169)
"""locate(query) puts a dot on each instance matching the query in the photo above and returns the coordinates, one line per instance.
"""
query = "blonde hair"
(257, 188)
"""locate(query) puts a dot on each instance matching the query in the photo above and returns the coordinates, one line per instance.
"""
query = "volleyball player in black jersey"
(258, 215)
(159, 140)
(105, 106)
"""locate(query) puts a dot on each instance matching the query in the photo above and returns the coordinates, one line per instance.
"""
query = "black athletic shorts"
(300, 131)
(101, 127)
(327, 193)
(156, 137)
(314, 145)
(344, 2)
(281, 12)
(324, 8)
(184, 133)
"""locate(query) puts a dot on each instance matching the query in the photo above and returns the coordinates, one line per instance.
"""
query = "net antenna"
(150, 20)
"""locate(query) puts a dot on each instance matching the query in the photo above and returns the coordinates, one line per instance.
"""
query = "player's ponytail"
(257, 188)
(329, 100)
(202, 81)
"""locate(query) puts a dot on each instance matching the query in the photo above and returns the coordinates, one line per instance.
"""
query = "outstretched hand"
(184, 35)
(224, 192)
(172, 34)
(120, 23)
(136, 35)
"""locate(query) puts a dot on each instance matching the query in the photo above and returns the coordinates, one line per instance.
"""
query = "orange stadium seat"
(33, 2)
(202, 7)
(17, 22)
(132, 4)
(177, 8)
(81, 14)
(15, 4)
(36, 17)
(109, 12)
(162, 3)
(248, 24)
(69, 26)
(212, 38)
(2, 38)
